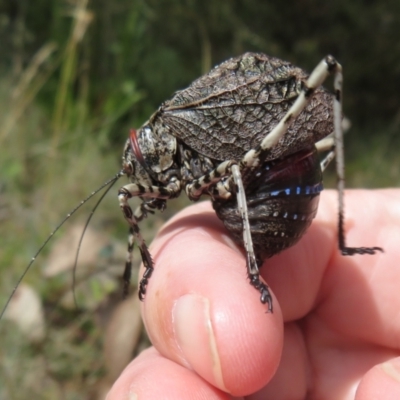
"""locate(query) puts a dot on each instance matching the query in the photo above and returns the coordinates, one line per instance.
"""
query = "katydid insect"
(247, 135)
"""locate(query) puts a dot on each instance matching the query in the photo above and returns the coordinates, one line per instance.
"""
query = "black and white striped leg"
(199, 186)
(135, 235)
(254, 157)
(339, 153)
(252, 268)
(149, 192)
(325, 68)
(156, 201)
(140, 213)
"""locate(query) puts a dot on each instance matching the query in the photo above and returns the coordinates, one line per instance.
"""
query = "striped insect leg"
(252, 268)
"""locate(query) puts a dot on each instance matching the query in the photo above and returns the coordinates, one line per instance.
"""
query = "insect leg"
(339, 151)
(254, 157)
(135, 235)
(252, 267)
(157, 195)
(126, 277)
(326, 144)
(326, 67)
(140, 214)
(327, 160)
(198, 186)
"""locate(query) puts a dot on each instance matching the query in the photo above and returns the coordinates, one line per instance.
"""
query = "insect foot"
(263, 289)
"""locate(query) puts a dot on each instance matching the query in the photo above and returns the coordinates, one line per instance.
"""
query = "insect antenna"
(109, 182)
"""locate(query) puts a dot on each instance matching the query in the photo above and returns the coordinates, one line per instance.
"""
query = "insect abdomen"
(282, 200)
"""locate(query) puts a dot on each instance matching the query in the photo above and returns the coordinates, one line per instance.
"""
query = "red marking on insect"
(135, 146)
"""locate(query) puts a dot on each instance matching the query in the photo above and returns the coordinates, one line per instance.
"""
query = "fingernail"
(392, 369)
(196, 337)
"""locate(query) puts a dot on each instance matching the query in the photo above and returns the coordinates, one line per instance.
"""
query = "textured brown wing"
(231, 109)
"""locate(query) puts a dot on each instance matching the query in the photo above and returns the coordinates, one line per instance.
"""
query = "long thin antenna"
(109, 182)
(83, 234)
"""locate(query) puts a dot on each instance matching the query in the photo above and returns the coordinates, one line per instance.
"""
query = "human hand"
(335, 321)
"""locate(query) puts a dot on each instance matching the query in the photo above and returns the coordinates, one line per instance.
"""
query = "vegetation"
(76, 75)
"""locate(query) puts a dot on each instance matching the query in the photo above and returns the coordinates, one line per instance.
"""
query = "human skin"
(334, 333)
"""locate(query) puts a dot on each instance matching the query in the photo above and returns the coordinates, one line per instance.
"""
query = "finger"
(201, 311)
(314, 273)
(292, 377)
(381, 382)
(359, 294)
(353, 324)
(152, 377)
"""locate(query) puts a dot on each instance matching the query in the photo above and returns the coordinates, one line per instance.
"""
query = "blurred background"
(74, 77)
